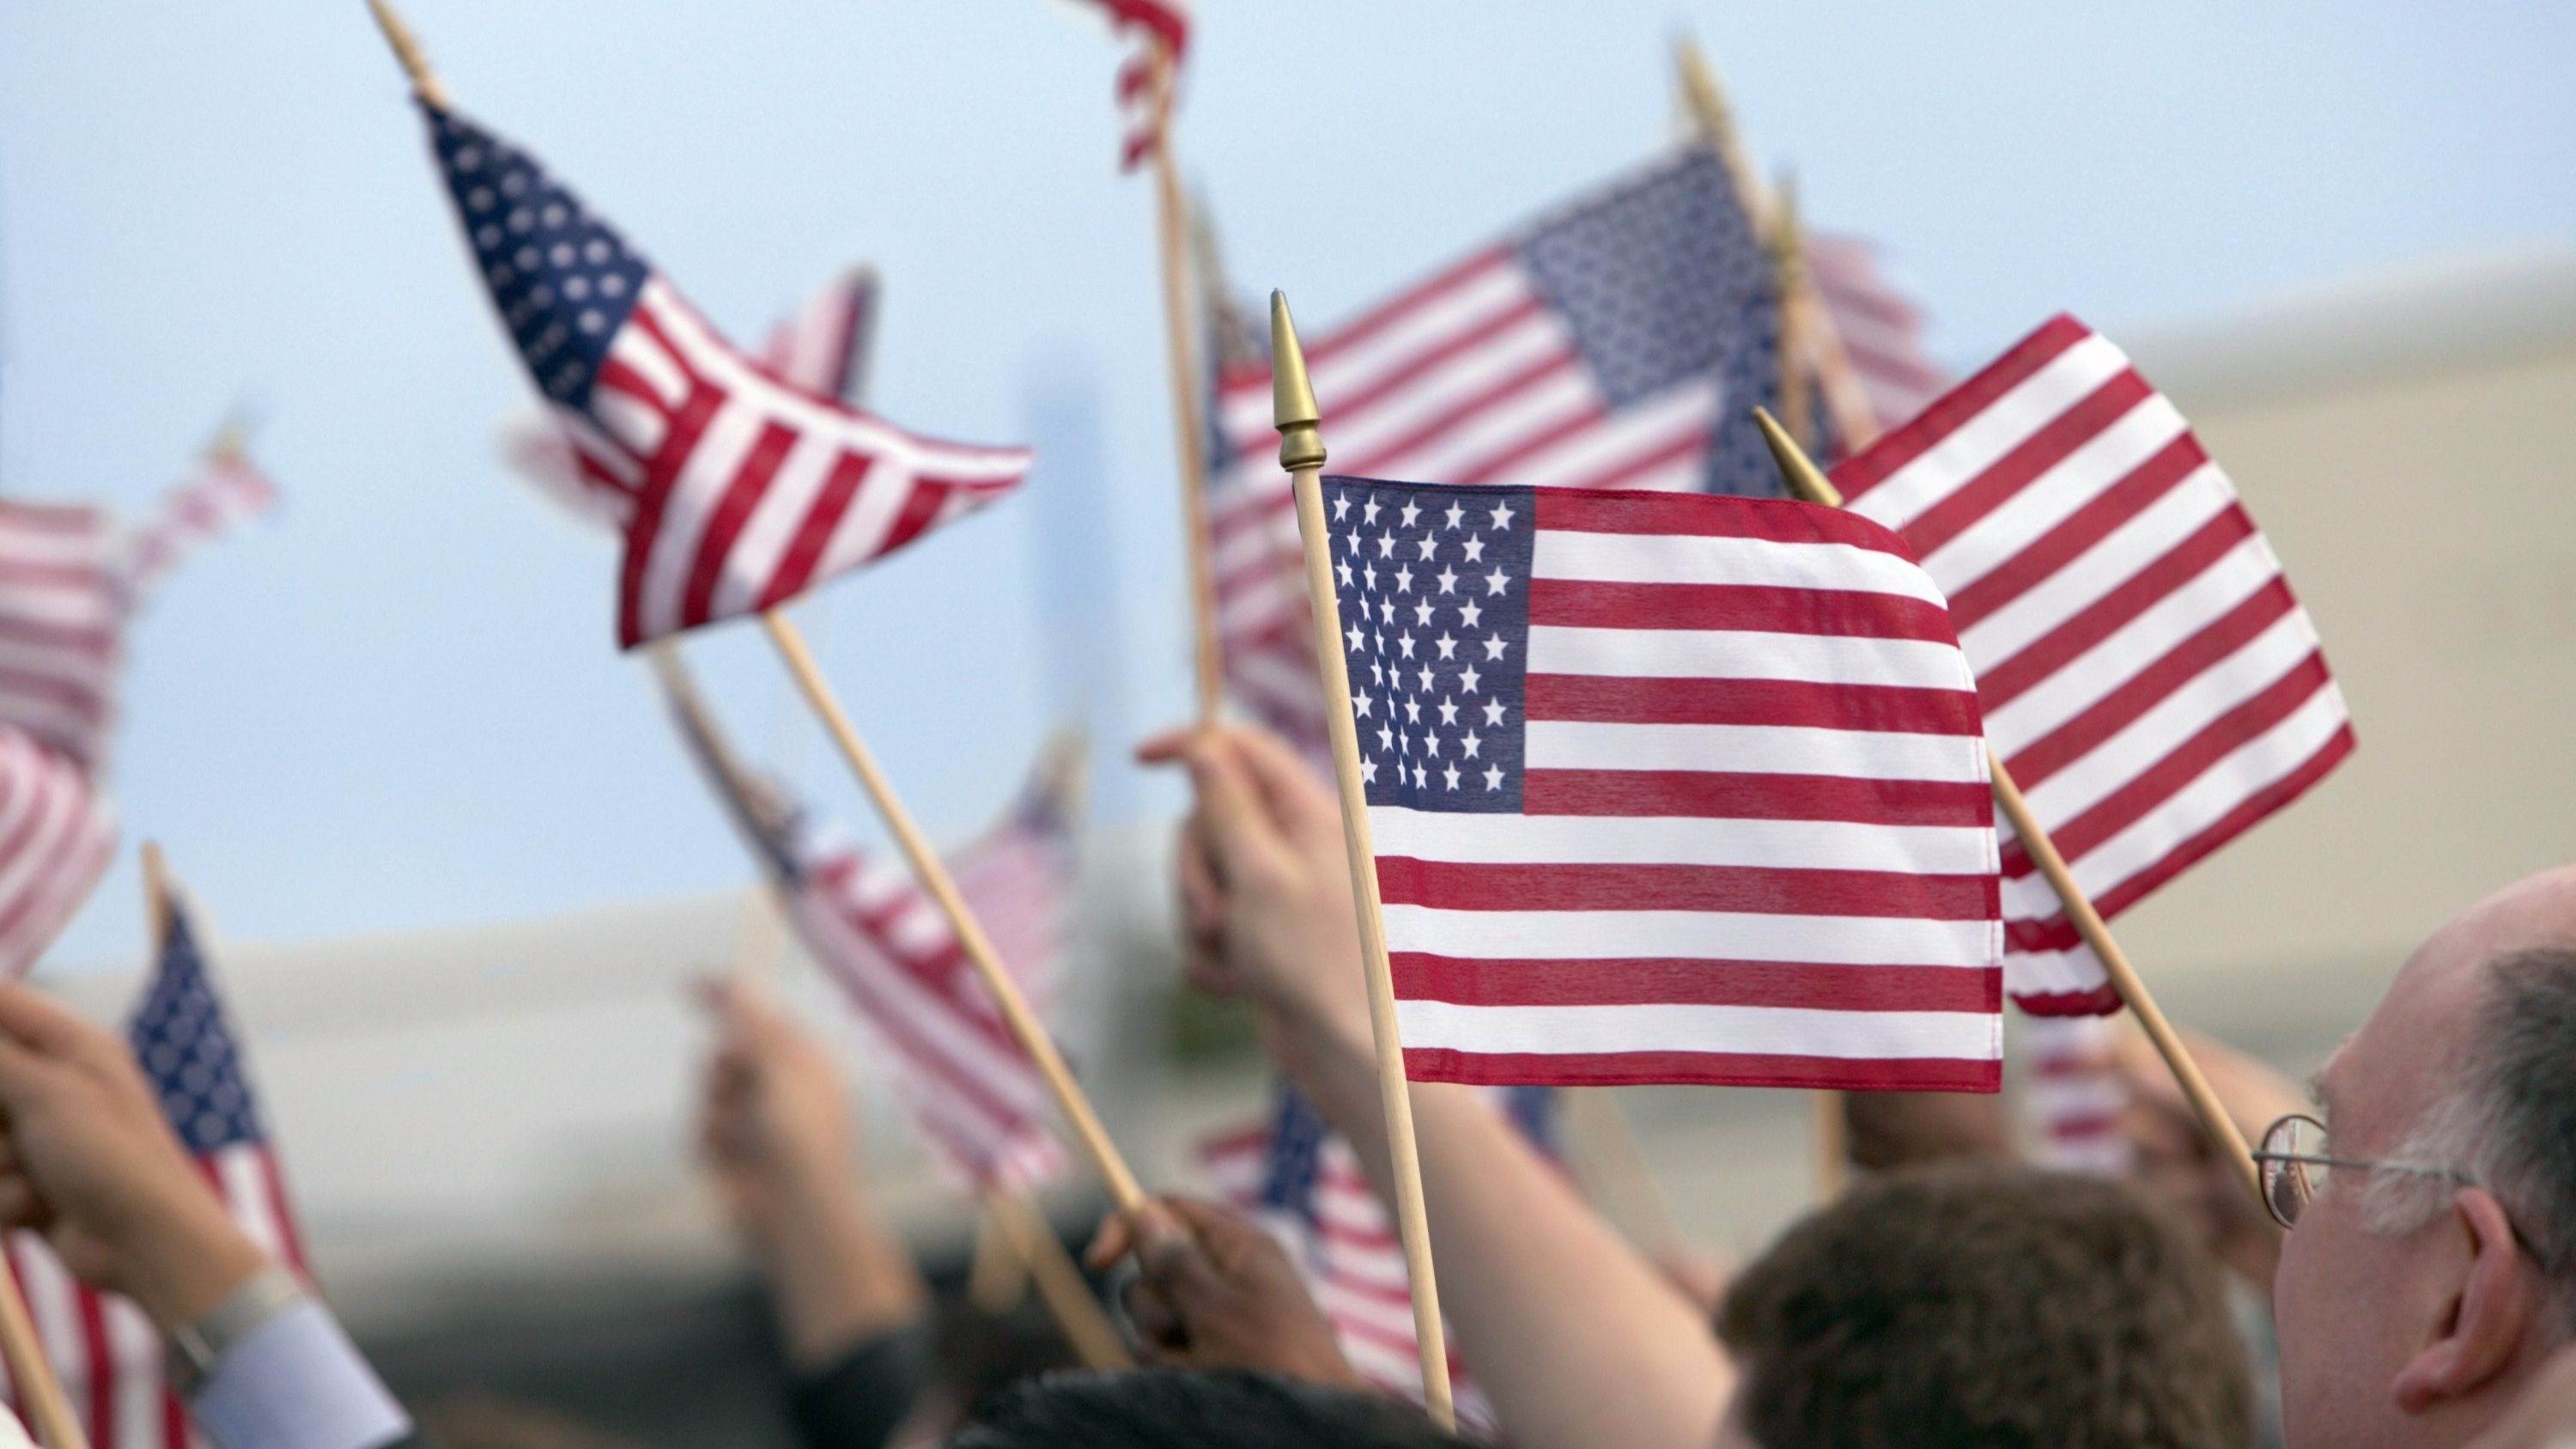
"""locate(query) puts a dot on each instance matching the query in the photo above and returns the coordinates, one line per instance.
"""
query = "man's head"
(1971, 1304)
(1174, 1409)
(2413, 1305)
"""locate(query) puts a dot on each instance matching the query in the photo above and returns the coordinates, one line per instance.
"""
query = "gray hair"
(2507, 1122)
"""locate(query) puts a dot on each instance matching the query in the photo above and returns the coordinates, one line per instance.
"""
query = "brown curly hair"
(1970, 1304)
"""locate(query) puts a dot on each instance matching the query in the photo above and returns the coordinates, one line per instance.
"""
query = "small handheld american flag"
(739, 492)
(1149, 77)
(107, 1352)
(1667, 788)
(2146, 674)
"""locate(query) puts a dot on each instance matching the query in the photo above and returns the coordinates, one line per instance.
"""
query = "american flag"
(103, 1347)
(978, 1104)
(2147, 676)
(1147, 80)
(739, 492)
(57, 835)
(1668, 789)
(225, 490)
(822, 347)
(1880, 328)
(2072, 1095)
(1620, 341)
(64, 599)
(1302, 1182)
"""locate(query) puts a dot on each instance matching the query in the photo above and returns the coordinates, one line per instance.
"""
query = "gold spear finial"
(1292, 397)
(1804, 479)
(424, 83)
(1707, 99)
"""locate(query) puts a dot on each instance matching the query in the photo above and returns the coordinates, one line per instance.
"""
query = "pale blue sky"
(394, 704)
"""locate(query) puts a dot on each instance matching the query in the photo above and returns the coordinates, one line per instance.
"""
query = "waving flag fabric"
(1668, 789)
(823, 347)
(57, 835)
(979, 1105)
(736, 491)
(1303, 1183)
(63, 606)
(1880, 328)
(1160, 28)
(225, 490)
(2073, 1095)
(2146, 674)
(106, 1351)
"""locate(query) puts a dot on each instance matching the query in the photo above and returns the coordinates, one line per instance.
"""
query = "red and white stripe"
(225, 491)
(105, 1350)
(1756, 845)
(1880, 328)
(748, 492)
(2073, 1095)
(1352, 1260)
(980, 1105)
(57, 835)
(63, 606)
(2146, 674)
(1149, 78)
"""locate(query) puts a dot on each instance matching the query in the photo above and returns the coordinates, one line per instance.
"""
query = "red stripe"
(1495, 398)
(2099, 1001)
(2124, 706)
(102, 1366)
(2087, 526)
(1856, 476)
(48, 517)
(1709, 1069)
(272, 1183)
(1620, 476)
(1703, 515)
(1790, 703)
(920, 509)
(1587, 604)
(54, 689)
(1522, 449)
(1755, 797)
(1389, 313)
(2007, 679)
(84, 638)
(805, 552)
(2060, 438)
(661, 474)
(725, 522)
(81, 578)
(1747, 889)
(1420, 976)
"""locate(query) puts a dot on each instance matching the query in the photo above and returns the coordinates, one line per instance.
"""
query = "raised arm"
(1575, 1337)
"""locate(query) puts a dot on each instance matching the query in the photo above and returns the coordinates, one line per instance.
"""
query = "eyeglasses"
(2295, 1165)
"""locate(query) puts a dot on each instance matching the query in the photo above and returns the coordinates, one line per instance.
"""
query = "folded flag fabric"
(823, 347)
(1150, 76)
(2073, 1095)
(1302, 1182)
(2147, 676)
(57, 836)
(736, 491)
(64, 599)
(107, 1353)
(1880, 328)
(1668, 788)
(977, 1103)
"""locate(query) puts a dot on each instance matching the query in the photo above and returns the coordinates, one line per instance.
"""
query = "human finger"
(1290, 789)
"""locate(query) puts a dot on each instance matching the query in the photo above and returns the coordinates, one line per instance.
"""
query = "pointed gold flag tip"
(1292, 397)
(1806, 482)
(1700, 90)
(424, 83)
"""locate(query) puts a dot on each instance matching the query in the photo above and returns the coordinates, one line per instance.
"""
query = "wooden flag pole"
(1802, 310)
(1171, 235)
(1812, 486)
(1061, 1286)
(996, 1278)
(40, 1394)
(933, 875)
(1301, 452)
(424, 83)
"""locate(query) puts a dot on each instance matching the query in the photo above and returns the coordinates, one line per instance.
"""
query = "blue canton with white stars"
(1433, 586)
(1294, 1154)
(1662, 281)
(188, 1054)
(561, 279)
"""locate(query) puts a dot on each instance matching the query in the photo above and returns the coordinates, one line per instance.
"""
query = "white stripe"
(936, 1037)
(1675, 558)
(1581, 839)
(1366, 430)
(1745, 654)
(637, 427)
(2053, 973)
(1611, 935)
(135, 1347)
(2132, 649)
(686, 509)
(2003, 425)
(1422, 323)
(2090, 576)
(758, 550)
(1753, 750)
(1751, 1030)
(641, 351)
(2088, 471)
(244, 1187)
(53, 1302)
(1499, 427)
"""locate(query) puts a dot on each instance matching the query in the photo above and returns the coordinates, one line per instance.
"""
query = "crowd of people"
(2408, 1280)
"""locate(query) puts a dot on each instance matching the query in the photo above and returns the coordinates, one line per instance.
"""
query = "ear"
(2487, 1311)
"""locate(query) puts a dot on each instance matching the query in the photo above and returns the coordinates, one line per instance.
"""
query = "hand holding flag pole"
(1810, 485)
(1301, 452)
